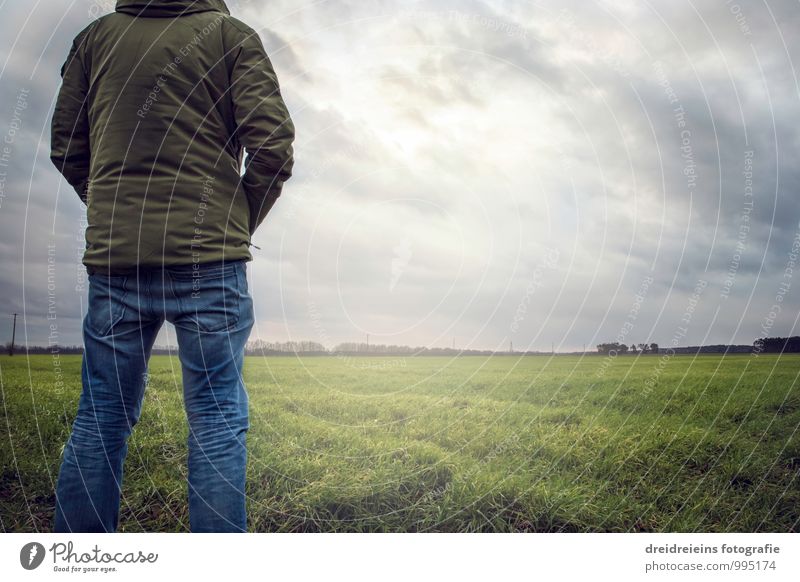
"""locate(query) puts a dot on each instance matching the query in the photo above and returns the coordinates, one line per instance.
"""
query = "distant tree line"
(767, 345)
(777, 344)
(261, 347)
(54, 349)
(364, 349)
(398, 350)
(306, 347)
(616, 348)
(714, 349)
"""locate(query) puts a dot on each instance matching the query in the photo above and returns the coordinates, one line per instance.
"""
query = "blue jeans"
(212, 311)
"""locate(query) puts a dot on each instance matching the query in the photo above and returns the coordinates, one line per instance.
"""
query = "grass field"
(654, 443)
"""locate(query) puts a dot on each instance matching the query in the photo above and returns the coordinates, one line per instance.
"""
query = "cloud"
(473, 136)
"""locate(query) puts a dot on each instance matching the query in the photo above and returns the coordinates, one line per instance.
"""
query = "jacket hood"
(169, 8)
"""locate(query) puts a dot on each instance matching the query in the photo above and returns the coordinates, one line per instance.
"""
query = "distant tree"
(644, 348)
(633, 348)
(612, 347)
(777, 344)
(654, 348)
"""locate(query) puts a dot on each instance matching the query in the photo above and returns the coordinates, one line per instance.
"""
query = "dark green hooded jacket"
(158, 103)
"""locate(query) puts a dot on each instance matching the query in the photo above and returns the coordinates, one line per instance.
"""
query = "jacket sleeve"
(69, 138)
(264, 126)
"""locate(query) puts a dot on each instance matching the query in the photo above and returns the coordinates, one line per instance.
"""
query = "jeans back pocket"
(106, 303)
(208, 296)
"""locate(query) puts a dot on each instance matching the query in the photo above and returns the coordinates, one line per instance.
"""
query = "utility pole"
(552, 348)
(510, 346)
(13, 336)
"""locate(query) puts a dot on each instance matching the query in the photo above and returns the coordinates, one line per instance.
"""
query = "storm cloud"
(484, 171)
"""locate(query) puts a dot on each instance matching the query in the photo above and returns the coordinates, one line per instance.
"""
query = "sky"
(474, 173)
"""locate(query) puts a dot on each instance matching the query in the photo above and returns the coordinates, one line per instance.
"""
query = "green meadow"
(437, 444)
